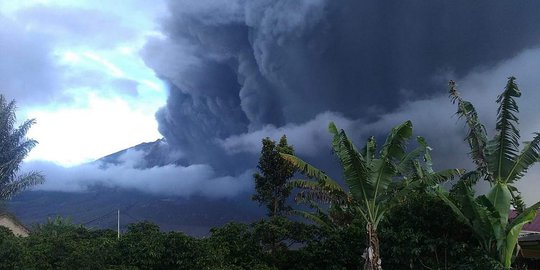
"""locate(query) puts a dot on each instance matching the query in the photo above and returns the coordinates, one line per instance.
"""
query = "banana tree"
(499, 162)
(370, 178)
(487, 216)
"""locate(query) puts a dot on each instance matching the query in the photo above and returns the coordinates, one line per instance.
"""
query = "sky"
(74, 67)
(214, 77)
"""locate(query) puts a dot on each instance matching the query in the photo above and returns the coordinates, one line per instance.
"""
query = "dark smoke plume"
(237, 66)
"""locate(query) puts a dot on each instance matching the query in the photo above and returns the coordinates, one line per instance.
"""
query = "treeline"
(421, 233)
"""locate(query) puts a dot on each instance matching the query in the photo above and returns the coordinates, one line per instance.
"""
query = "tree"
(371, 178)
(336, 248)
(60, 244)
(11, 250)
(14, 147)
(142, 245)
(271, 185)
(239, 245)
(499, 162)
(422, 232)
(184, 252)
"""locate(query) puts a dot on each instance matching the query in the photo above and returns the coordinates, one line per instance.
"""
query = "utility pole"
(118, 224)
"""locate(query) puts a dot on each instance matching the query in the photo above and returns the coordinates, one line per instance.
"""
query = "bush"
(11, 251)
(423, 233)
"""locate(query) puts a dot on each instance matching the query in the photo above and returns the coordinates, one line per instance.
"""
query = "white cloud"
(308, 138)
(89, 131)
(198, 179)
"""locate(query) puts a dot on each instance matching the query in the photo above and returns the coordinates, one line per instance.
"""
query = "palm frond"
(528, 156)
(21, 183)
(427, 153)
(528, 215)
(476, 136)
(318, 195)
(14, 147)
(7, 117)
(512, 233)
(407, 165)
(477, 213)
(483, 216)
(325, 189)
(394, 147)
(355, 169)
(318, 218)
(310, 171)
(383, 173)
(462, 195)
(369, 150)
(23, 129)
(517, 201)
(383, 169)
(467, 179)
(319, 191)
(503, 148)
(434, 178)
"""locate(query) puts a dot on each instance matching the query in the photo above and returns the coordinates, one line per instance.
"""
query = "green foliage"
(240, 247)
(335, 249)
(14, 147)
(500, 162)
(278, 236)
(11, 251)
(272, 189)
(287, 232)
(487, 216)
(408, 237)
(271, 185)
(184, 252)
(422, 233)
(142, 245)
(477, 136)
(371, 179)
(59, 244)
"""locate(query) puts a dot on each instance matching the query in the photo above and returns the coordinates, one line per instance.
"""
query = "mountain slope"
(97, 206)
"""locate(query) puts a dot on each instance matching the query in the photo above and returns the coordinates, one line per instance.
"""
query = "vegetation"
(418, 242)
(423, 233)
(14, 147)
(371, 179)
(271, 188)
(499, 162)
(392, 206)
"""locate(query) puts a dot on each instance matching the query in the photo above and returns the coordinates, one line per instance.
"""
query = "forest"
(391, 209)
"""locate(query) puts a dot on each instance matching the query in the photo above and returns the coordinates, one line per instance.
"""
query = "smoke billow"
(244, 69)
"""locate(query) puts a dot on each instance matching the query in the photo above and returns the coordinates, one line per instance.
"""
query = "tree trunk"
(371, 254)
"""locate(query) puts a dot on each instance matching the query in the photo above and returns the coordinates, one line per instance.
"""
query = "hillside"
(97, 206)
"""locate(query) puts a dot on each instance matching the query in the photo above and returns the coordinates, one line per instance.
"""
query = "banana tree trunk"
(371, 254)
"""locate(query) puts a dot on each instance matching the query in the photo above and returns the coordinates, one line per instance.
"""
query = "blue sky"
(76, 68)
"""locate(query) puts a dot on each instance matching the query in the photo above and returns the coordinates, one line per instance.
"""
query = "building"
(529, 243)
(11, 222)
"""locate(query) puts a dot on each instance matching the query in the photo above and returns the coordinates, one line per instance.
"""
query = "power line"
(130, 216)
(98, 218)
